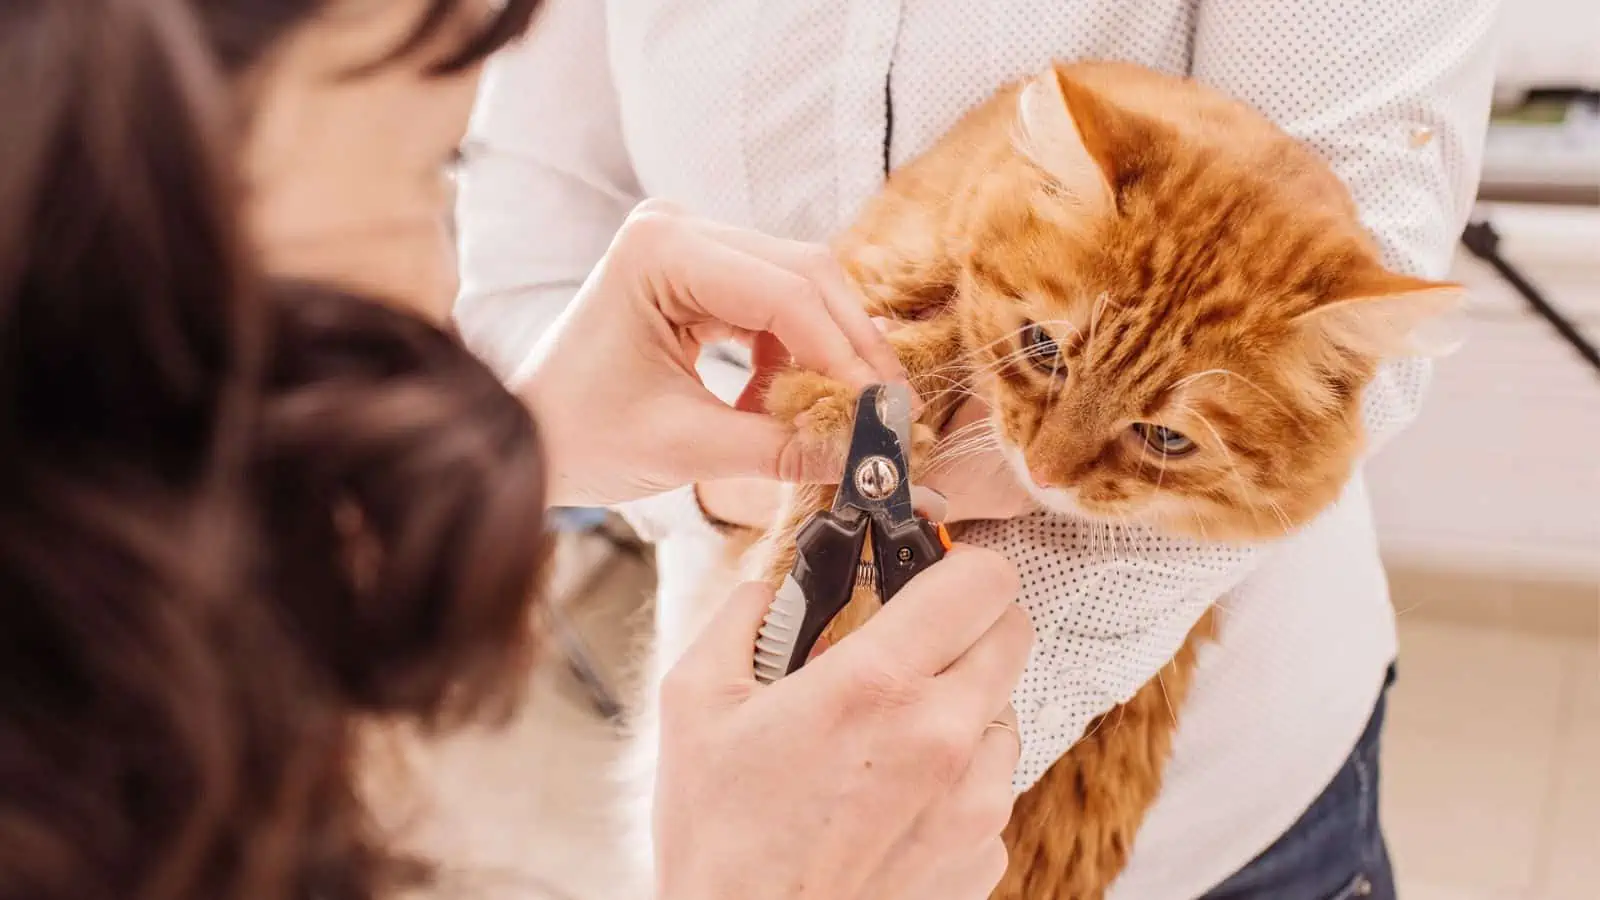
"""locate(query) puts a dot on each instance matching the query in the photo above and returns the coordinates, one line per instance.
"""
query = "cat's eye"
(1163, 440)
(1042, 350)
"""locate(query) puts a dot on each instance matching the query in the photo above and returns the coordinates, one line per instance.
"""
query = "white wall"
(1502, 472)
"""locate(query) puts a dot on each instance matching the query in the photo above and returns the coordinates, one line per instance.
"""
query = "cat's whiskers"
(939, 377)
(950, 463)
(1233, 466)
(1190, 379)
(981, 435)
(1017, 352)
(1000, 361)
(1400, 612)
(1161, 469)
(953, 387)
(1098, 721)
(1161, 682)
(1283, 518)
(969, 429)
(1055, 381)
(969, 440)
(975, 445)
(1017, 332)
(1100, 304)
(1128, 527)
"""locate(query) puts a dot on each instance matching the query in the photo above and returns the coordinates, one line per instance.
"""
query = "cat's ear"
(1062, 127)
(1384, 314)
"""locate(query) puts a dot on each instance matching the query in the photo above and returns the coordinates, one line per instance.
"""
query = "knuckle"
(945, 746)
(656, 207)
(998, 573)
(1017, 628)
(983, 814)
(989, 574)
(884, 687)
(812, 295)
(817, 261)
(679, 691)
(648, 225)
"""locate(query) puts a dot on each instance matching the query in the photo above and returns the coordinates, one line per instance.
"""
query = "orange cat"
(1172, 309)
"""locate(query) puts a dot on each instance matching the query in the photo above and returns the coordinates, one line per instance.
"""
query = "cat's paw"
(794, 392)
(820, 409)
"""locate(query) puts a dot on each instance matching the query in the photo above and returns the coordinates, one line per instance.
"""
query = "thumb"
(732, 443)
(724, 651)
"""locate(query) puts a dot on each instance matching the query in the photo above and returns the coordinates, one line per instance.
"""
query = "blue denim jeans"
(1336, 850)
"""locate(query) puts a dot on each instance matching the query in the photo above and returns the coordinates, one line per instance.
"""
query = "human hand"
(623, 413)
(975, 483)
(876, 771)
(971, 474)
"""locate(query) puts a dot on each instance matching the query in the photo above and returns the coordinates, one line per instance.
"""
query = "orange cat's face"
(1172, 333)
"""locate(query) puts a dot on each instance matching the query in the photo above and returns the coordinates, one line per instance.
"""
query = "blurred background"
(1489, 515)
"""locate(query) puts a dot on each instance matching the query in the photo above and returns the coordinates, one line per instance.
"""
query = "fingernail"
(929, 502)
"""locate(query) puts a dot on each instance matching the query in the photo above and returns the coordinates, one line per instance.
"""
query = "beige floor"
(1491, 779)
(1492, 763)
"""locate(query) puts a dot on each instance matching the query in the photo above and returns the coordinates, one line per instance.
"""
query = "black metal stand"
(1483, 241)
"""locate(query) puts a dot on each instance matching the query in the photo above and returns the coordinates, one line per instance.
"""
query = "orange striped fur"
(1099, 252)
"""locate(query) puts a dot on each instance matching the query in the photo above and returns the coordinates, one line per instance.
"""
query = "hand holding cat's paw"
(821, 411)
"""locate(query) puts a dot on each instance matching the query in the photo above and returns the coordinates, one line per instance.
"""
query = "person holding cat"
(788, 118)
(258, 504)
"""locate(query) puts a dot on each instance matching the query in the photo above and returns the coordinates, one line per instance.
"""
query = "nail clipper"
(873, 501)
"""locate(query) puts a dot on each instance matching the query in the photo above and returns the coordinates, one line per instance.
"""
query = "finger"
(928, 503)
(981, 681)
(746, 502)
(940, 615)
(979, 806)
(980, 484)
(843, 301)
(707, 280)
(724, 651)
(707, 439)
(922, 871)
(973, 876)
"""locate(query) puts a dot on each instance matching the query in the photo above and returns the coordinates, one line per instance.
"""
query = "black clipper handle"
(825, 570)
(901, 553)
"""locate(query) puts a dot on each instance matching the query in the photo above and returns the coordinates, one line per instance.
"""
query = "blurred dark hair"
(237, 518)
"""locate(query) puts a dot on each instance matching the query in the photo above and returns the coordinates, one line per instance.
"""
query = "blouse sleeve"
(1395, 95)
(546, 182)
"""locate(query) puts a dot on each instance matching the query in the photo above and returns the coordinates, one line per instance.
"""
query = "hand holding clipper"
(874, 500)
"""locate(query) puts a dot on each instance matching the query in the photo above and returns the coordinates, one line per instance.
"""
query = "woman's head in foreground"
(240, 515)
